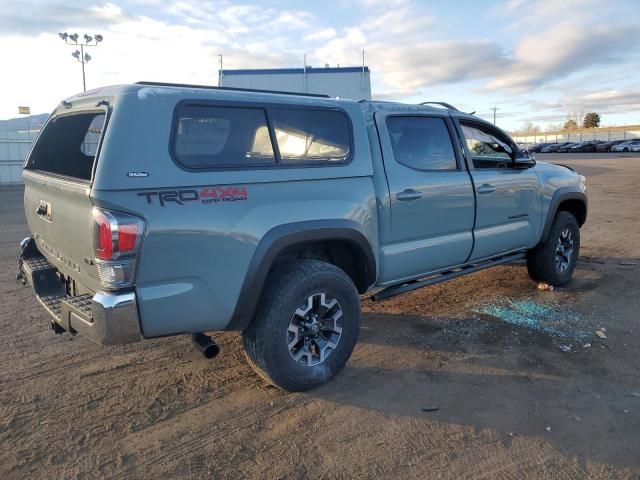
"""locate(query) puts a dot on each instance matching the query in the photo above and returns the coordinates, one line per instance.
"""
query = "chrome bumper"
(105, 318)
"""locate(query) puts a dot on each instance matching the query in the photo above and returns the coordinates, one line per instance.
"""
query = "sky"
(534, 60)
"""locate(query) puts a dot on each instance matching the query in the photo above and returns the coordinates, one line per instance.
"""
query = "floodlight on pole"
(80, 55)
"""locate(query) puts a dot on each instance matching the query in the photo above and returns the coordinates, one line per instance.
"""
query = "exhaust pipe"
(205, 344)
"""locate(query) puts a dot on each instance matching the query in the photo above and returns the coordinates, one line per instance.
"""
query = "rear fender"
(276, 241)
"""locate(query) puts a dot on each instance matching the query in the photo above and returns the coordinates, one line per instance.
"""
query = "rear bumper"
(105, 318)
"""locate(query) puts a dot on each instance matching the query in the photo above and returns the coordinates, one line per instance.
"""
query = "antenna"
(362, 82)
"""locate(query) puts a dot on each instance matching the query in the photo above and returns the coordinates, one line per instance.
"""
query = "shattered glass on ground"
(560, 322)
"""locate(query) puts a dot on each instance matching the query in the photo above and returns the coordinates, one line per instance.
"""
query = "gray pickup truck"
(160, 209)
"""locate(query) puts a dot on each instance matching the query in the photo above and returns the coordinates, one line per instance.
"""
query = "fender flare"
(283, 236)
(561, 195)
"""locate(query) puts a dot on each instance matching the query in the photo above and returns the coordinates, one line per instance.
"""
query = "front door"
(431, 199)
(508, 199)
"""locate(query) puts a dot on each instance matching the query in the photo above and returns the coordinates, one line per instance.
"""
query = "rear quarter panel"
(196, 253)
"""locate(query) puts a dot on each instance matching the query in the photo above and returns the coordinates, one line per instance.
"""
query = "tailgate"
(57, 200)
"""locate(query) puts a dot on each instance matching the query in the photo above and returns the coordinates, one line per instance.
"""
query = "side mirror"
(524, 159)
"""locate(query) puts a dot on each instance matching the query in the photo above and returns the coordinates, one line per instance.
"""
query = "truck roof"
(144, 89)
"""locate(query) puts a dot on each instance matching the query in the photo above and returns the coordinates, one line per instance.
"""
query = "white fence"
(604, 134)
(14, 148)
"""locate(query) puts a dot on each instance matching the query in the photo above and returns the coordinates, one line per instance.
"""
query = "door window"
(422, 143)
(487, 147)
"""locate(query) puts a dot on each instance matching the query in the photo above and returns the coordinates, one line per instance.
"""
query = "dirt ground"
(518, 391)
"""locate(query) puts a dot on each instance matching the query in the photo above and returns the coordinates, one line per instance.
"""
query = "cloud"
(18, 17)
(518, 46)
(561, 50)
(603, 101)
(250, 20)
(321, 35)
(409, 68)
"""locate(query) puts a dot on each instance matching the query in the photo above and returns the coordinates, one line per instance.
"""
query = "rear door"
(431, 196)
(57, 177)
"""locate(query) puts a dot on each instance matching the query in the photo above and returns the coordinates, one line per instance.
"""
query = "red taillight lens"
(116, 235)
(116, 239)
(104, 239)
(127, 236)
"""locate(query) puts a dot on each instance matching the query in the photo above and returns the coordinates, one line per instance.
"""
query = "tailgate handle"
(44, 210)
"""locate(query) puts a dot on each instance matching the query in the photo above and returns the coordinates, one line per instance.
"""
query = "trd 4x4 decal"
(203, 195)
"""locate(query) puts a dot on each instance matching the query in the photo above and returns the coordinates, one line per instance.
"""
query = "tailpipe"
(205, 344)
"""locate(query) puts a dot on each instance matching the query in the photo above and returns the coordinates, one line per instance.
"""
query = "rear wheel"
(306, 325)
(554, 260)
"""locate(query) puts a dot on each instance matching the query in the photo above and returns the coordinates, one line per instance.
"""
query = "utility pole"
(494, 113)
(80, 55)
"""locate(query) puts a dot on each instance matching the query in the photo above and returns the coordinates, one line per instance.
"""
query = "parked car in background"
(630, 146)
(588, 147)
(606, 146)
(564, 148)
(552, 148)
(537, 147)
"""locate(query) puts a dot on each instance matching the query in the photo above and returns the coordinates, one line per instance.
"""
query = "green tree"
(570, 125)
(591, 120)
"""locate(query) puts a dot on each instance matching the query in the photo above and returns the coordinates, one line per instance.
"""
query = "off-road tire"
(541, 261)
(265, 339)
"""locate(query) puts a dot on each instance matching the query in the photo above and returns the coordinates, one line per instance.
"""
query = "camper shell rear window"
(68, 145)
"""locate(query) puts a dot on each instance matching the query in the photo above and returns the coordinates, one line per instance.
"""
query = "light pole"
(80, 55)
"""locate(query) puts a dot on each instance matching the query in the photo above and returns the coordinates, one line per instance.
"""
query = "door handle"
(408, 195)
(486, 188)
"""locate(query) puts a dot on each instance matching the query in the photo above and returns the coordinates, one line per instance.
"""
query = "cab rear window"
(212, 136)
(68, 145)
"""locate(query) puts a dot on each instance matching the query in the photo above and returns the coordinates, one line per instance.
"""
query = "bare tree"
(530, 128)
(576, 116)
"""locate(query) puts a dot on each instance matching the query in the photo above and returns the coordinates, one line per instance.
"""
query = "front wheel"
(306, 325)
(554, 260)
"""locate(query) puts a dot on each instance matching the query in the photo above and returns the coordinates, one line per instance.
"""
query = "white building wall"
(346, 82)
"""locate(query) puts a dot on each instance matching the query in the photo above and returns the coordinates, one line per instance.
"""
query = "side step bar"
(401, 288)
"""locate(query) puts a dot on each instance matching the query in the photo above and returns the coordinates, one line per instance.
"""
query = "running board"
(405, 287)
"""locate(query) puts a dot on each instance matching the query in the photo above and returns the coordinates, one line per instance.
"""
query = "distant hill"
(20, 123)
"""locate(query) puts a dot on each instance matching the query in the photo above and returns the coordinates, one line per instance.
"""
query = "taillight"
(103, 238)
(117, 238)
